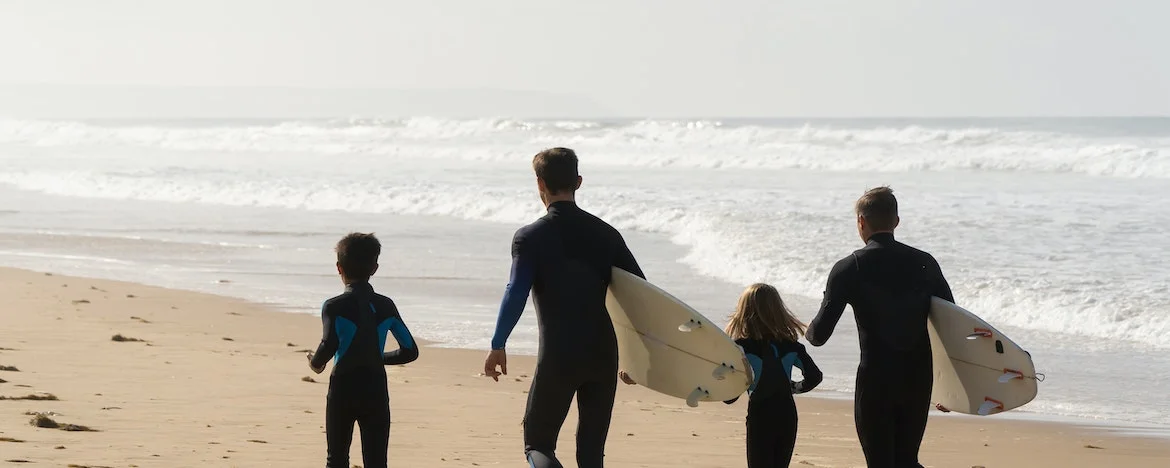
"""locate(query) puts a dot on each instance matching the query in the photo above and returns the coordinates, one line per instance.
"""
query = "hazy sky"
(635, 57)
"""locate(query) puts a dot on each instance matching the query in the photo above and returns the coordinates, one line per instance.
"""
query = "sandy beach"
(221, 382)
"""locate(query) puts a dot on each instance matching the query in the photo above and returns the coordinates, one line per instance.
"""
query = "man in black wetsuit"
(889, 285)
(565, 259)
(355, 326)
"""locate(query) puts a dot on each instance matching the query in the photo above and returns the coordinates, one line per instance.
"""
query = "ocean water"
(1052, 230)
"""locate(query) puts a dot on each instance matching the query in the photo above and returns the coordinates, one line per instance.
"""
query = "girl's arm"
(812, 373)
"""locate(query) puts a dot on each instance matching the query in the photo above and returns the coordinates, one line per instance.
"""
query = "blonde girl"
(768, 332)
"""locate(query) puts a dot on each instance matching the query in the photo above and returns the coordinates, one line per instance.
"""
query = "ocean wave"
(650, 143)
(792, 247)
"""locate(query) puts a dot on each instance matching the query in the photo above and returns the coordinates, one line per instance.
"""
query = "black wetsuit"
(355, 327)
(889, 285)
(565, 259)
(771, 415)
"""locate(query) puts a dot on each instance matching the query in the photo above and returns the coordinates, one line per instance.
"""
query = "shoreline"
(217, 381)
(799, 303)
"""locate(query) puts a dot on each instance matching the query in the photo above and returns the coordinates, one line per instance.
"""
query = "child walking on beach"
(766, 330)
(355, 326)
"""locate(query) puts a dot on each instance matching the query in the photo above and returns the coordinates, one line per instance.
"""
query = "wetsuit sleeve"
(812, 373)
(838, 292)
(516, 293)
(407, 349)
(329, 341)
(942, 288)
(625, 259)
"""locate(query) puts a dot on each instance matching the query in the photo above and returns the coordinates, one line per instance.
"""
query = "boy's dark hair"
(357, 254)
(557, 167)
(879, 207)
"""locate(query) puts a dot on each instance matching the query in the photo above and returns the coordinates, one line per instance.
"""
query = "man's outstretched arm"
(516, 293)
(838, 291)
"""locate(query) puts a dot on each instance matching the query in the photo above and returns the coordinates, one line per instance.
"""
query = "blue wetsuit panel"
(515, 297)
(345, 330)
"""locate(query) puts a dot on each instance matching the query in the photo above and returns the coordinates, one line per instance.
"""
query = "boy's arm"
(329, 341)
(407, 349)
(837, 294)
(812, 373)
(520, 281)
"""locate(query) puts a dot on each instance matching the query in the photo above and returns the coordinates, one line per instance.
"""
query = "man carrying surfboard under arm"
(565, 259)
(889, 285)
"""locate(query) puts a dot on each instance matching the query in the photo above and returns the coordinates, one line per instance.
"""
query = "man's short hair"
(879, 207)
(557, 167)
(357, 253)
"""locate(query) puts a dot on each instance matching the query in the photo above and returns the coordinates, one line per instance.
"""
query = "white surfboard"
(977, 369)
(667, 346)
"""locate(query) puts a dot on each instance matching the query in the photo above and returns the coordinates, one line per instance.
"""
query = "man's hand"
(309, 356)
(626, 377)
(496, 358)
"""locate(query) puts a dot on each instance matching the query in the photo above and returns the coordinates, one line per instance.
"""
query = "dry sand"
(218, 382)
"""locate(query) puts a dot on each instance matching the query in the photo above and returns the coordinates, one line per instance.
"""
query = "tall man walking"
(565, 260)
(889, 284)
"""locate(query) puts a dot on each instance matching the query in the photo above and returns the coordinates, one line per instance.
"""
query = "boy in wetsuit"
(565, 260)
(889, 285)
(355, 326)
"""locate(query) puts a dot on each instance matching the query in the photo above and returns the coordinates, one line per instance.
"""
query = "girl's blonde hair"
(762, 315)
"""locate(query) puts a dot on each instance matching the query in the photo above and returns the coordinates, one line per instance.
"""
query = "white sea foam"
(682, 144)
(782, 242)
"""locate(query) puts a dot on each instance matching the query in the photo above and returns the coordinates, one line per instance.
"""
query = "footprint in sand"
(125, 339)
(46, 422)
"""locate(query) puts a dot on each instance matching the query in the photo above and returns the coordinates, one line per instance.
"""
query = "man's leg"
(874, 418)
(594, 410)
(913, 412)
(338, 431)
(549, 398)
(374, 422)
